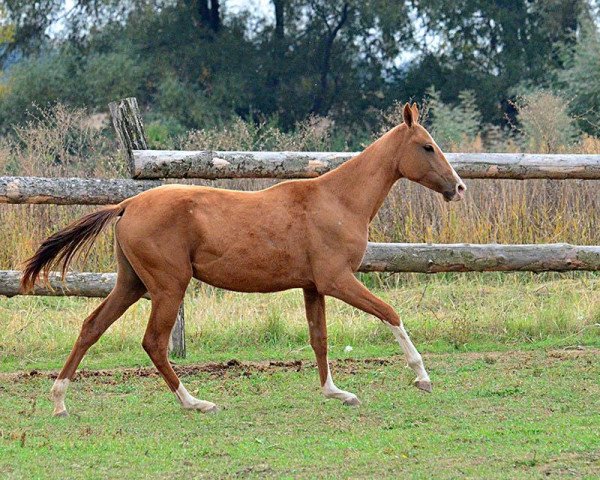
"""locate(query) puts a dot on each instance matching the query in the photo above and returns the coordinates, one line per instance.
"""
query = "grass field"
(491, 415)
(514, 360)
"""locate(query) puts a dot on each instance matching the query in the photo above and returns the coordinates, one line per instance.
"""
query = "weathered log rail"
(70, 191)
(380, 257)
(149, 164)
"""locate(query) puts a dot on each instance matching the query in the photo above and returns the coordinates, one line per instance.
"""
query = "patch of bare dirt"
(349, 365)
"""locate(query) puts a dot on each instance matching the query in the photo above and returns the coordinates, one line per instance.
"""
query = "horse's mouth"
(449, 196)
(453, 196)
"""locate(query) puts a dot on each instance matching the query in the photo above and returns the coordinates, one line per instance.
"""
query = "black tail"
(64, 245)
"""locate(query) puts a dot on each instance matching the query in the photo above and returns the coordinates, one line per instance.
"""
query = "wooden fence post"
(177, 341)
(129, 127)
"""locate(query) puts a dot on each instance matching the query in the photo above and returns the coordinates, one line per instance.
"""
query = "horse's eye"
(429, 148)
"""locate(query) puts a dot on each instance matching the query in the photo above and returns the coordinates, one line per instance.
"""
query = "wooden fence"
(150, 167)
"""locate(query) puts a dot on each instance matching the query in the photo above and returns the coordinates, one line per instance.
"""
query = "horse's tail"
(65, 244)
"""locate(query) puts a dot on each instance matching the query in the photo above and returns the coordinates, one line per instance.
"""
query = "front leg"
(317, 326)
(348, 289)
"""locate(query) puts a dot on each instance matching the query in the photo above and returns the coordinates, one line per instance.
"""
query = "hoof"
(352, 402)
(61, 414)
(424, 385)
(203, 408)
(212, 410)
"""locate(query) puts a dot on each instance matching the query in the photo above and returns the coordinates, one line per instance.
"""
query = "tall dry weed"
(63, 141)
(55, 142)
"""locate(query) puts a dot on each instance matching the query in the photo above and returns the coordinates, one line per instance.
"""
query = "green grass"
(503, 415)
(513, 358)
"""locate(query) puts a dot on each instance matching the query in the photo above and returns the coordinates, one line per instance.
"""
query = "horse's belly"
(260, 270)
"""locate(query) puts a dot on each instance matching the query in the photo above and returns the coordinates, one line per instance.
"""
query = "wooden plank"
(524, 166)
(380, 257)
(435, 258)
(85, 284)
(148, 164)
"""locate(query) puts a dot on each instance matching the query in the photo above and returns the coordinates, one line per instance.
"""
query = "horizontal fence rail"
(380, 257)
(85, 284)
(70, 191)
(149, 164)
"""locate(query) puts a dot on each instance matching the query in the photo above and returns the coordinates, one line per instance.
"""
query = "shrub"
(453, 126)
(545, 123)
(313, 134)
(581, 78)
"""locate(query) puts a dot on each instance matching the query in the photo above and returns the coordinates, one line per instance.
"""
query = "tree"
(490, 46)
(580, 80)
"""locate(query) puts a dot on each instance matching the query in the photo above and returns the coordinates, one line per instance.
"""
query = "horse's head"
(422, 161)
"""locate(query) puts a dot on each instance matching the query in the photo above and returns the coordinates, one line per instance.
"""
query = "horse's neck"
(363, 182)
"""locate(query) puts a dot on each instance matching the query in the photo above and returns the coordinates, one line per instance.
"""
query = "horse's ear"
(415, 112)
(408, 115)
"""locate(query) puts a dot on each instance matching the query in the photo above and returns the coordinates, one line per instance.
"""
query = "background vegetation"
(200, 63)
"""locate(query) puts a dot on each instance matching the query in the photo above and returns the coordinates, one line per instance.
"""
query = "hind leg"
(164, 266)
(127, 291)
(165, 305)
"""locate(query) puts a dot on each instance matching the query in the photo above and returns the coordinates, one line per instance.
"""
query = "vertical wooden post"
(128, 124)
(129, 127)
(177, 341)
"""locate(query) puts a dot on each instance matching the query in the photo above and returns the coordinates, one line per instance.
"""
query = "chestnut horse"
(309, 234)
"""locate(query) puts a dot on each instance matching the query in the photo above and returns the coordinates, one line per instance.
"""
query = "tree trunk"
(320, 106)
(209, 16)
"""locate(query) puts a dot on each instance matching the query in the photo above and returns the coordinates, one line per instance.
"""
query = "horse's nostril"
(460, 188)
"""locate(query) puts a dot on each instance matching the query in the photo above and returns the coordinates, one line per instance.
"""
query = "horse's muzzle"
(456, 194)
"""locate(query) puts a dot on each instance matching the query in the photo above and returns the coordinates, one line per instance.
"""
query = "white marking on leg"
(413, 357)
(331, 391)
(191, 403)
(58, 393)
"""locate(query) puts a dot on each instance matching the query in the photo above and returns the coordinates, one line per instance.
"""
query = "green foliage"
(196, 65)
(313, 134)
(110, 76)
(34, 82)
(189, 106)
(7, 28)
(490, 47)
(580, 80)
(453, 125)
(162, 132)
(201, 66)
